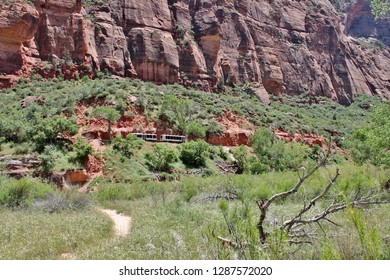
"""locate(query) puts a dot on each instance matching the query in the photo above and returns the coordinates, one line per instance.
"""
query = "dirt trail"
(122, 223)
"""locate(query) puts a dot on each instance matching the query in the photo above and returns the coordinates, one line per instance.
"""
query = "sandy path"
(122, 223)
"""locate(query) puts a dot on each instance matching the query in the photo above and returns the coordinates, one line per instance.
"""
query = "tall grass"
(31, 235)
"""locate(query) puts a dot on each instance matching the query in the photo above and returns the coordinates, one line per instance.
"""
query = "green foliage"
(369, 239)
(380, 9)
(48, 159)
(195, 130)
(162, 158)
(22, 193)
(2, 141)
(176, 111)
(107, 113)
(82, 150)
(47, 130)
(329, 251)
(372, 143)
(262, 141)
(128, 146)
(194, 153)
(275, 155)
(213, 128)
(241, 156)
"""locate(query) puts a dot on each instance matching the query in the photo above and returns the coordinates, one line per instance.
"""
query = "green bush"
(48, 159)
(213, 128)
(162, 158)
(277, 155)
(176, 112)
(194, 153)
(22, 193)
(262, 141)
(82, 150)
(195, 130)
(127, 146)
(47, 130)
(372, 143)
(241, 156)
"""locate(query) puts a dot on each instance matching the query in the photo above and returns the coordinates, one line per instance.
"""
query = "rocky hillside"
(284, 47)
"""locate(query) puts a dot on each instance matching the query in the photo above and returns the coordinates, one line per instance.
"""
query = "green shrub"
(213, 128)
(162, 158)
(48, 159)
(22, 193)
(262, 141)
(194, 153)
(82, 150)
(47, 130)
(278, 155)
(177, 112)
(372, 143)
(241, 156)
(195, 130)
(128, 146)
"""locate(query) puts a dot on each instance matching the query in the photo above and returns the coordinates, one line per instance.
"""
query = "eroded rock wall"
(285, 47)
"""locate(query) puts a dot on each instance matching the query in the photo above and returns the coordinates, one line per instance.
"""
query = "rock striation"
(281, 47)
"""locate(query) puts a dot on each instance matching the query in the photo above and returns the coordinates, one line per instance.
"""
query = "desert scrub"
(27, 235)
(22, 193)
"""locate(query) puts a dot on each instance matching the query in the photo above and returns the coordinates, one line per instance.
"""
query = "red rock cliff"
(286, 47)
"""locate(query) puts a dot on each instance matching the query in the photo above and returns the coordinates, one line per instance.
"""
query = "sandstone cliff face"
(285, 47)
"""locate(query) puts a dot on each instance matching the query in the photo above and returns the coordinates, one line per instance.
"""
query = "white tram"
(146, 136)
(163, 138)
(173, 138)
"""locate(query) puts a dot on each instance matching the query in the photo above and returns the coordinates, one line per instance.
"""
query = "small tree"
(195, 130)
(48, 159)
(162, 158)
(109, 114)
(82, 150)
(177, 111)
(194, 153)
(128, 146)
(46, 131)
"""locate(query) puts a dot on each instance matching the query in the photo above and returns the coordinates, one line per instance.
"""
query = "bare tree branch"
(288, 224)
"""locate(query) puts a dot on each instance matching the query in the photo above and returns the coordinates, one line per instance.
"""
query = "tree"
(372, 143)
(109, 114)
(128, 146)
(162, 158)
(294, 227)
(275, 155)
(82, 150)
(195, 130)
(48, 159)
(177, 112)
(46, 131)
(380, 9)
(194, 153)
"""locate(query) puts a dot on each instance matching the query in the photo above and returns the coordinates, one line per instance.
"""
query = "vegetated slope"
(29, 104)
(289, 47)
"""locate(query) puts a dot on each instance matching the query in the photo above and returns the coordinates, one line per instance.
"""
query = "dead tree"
(295, 227)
